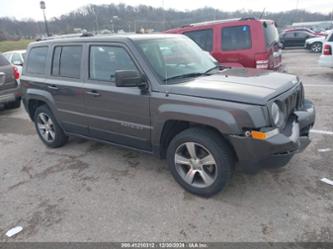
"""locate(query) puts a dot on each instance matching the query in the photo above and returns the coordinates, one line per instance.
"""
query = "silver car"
(16, 57)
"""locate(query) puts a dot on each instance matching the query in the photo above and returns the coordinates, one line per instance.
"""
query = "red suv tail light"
(262, 61)
(327, 49)
(16, 73)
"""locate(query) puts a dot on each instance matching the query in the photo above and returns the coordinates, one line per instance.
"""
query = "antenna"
(262, 13)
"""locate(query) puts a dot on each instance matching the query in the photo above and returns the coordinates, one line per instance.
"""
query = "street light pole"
(43, 7)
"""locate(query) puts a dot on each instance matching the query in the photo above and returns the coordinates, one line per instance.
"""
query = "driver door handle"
(54, 87)
(93, 93)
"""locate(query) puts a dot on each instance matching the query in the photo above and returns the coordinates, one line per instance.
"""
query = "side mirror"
(129, 78)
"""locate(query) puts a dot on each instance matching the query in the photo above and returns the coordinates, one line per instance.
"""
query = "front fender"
(229, 118)
(218, 118)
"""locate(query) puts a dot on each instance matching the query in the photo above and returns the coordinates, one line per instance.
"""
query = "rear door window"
(289, 35)
(66, 61)
(236, 38)
(104, 61)
(37, 60)
(302, 34)
(7, 56)
(3, 61)
(204, 38)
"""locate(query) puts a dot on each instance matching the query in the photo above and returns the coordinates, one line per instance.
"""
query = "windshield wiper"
(184, 76)
(217, 67)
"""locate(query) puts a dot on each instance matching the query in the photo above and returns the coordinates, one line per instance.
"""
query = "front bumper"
(276, 151)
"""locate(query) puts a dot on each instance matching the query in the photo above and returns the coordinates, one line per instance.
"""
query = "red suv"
(242, 42)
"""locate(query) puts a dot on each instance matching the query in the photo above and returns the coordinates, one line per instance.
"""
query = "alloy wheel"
(46, 127)
(316, 47)
(195, 164)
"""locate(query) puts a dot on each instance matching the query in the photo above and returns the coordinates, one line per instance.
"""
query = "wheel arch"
(35, 98)
(173, 127)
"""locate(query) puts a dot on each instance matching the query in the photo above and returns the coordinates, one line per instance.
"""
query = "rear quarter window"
(3, 61)
(37, 60)
(204, 38)
(271, 33)
(236, 38)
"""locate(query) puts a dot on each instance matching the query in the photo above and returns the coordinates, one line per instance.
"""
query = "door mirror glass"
(128, 78)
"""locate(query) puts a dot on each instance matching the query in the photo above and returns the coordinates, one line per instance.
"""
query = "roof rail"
(248, 18)
(66, 36)
(219, 21)
(211, 22)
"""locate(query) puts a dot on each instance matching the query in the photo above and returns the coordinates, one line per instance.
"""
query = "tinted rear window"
(271, 33)
(235, 38)
(3, 61)
(37, 60)
(204, 38)
(66, 61)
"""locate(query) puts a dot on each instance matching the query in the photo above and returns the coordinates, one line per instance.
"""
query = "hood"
(252, 86)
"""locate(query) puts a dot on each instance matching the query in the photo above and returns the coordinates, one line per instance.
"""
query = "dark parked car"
(9, 91)
(295, 38)
(163, 95)
(240, 42)
(307, 30)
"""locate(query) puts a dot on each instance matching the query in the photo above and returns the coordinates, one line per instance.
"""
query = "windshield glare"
(176, 56)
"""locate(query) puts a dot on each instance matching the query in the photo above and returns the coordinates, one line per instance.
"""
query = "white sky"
(21, 9)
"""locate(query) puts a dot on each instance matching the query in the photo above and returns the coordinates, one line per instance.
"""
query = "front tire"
(48, 128)
(200, 161)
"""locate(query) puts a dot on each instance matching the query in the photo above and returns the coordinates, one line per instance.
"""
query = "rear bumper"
(326, 60)
(10, 95)
(277, 150)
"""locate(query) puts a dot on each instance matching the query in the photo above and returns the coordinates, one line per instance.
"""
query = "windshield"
(176, 57)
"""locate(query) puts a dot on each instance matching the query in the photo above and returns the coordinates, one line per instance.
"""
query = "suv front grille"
(295, 100)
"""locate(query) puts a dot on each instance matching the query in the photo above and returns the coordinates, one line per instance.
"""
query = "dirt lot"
(87, 191)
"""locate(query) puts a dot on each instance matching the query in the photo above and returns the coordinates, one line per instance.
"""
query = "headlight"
(277, 115)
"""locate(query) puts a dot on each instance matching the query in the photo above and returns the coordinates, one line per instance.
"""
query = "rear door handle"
(93, 93)
(54, 87)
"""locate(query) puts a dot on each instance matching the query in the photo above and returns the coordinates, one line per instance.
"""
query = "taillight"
(262, 61)
(16, 73)
(327, 49)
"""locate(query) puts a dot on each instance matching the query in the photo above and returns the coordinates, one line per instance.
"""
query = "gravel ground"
(88, 191)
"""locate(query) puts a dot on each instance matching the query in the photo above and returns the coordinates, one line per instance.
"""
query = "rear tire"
(48, 128)
(200, 161)
(316, 47)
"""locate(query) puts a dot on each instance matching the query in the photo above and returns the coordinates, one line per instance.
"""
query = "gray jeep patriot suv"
(163, 95)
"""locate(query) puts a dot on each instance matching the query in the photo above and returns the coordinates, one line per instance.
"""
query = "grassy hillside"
(13, 45)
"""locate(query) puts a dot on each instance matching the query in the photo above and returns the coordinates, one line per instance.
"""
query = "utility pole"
(43, 7)
(297, 2)
(163, 14)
